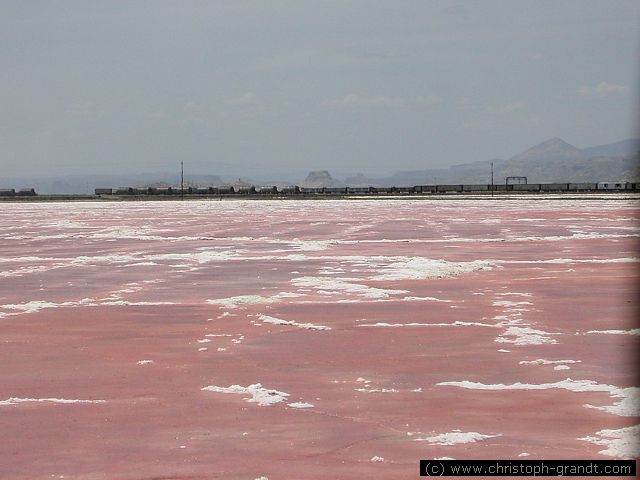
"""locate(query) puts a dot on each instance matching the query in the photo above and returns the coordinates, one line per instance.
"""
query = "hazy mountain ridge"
(553, 160)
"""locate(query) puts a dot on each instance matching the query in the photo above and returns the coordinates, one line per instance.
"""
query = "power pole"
(181, 180)
(492, 179)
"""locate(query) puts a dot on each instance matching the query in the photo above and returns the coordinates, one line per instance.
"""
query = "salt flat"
(315, 339)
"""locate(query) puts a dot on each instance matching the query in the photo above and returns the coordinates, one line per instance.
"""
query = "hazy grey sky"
(252, 87)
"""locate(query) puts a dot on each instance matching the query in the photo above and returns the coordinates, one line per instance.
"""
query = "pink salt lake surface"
(314, 339)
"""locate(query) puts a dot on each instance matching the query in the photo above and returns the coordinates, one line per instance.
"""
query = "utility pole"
(181, 180)
(492, 179)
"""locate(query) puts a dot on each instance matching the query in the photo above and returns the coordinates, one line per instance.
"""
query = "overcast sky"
(256, 88)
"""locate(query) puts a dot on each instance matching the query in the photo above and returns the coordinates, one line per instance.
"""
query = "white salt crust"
(279, 321)
(457, 323)
(628, 404)
(621, 443)
(336, 286)
(234, 302)
(16, 400)
(542, 361)
(300, 405)
(635, 331)
(525, 336)
(454, 438)
(262, 396)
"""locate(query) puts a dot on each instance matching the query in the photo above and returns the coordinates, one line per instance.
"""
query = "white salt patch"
(368, 389)
(16, 400)
(37, 305)
(145, 362)
(335, 286)
(542, 361)
(621, 443)
(562, 367)
(426, 299)
(635, 331)
(525, 336)
(261, 396)
(508, 303)
(135, 304)
(18, 272)
(419, 268)
(524, 454)
(203, 340)
(279, 321)
(376, 458)
(203, 349)
(261, 478)
(312, 245)
(221, 349)
(502, 350)
(218, 335)
(454, 438)
(627, 406)
(457, 323)
(444, 458)
(300, 405)
(234, 302)
(362, 380)
(518, 294)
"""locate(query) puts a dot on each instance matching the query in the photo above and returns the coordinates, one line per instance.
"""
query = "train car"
(26, 192)
(223, 190)
(8, 192)
(554, 187)
(583, 187)
(425, 188)
(289, 190)
(335, 190)
(448, 188)
(612, 186)
(268, 190)
(311, 190)
(476, 188)
(498, 187)
(246, 190)
(525, 187)
(103, 191)
(358, 190)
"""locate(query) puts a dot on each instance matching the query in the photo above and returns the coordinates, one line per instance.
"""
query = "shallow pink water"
(88, 290)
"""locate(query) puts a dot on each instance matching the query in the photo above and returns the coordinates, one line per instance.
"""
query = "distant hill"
(551, 161)
(623, 148)
(321, 178)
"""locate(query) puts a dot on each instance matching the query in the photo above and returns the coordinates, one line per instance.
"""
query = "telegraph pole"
(492, 179)
(181, 180)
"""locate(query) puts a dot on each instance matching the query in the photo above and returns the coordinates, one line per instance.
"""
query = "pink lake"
(315, 339)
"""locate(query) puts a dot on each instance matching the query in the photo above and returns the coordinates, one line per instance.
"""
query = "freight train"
(296, 191)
